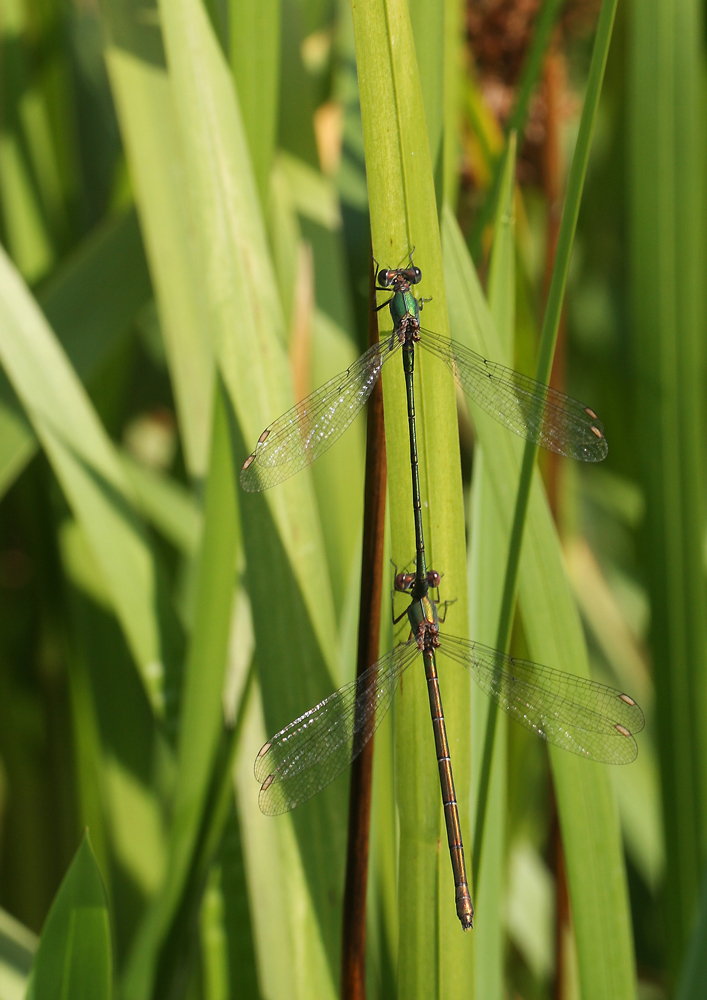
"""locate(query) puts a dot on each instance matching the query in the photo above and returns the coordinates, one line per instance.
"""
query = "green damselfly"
(530, 409)
(574, 713)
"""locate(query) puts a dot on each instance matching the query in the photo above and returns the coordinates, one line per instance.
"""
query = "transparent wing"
(310, 752)
(306, 431)
(530, 409)
(571, 712)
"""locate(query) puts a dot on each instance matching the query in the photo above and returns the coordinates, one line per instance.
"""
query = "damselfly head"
(405, 581)
(399, 278)
(404, 276)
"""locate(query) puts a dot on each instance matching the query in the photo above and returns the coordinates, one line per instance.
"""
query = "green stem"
(542, 29)
(548, 339)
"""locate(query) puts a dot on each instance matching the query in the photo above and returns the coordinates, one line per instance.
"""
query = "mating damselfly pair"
(587, 718)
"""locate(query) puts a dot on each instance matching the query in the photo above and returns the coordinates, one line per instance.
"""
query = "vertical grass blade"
(202, 709)
(254, 55)
(202, 706)
(25, 227)
(454, 53)
(427, 18)
(136, 65)
(666, 182)
(404, 214)
(586, 805)
(551, 323)
(488, 546)
(287, 579)
(236, 916)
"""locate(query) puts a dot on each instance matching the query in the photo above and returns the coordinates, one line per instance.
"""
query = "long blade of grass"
(287, 580)
(454, 55)
(290, 958)
(88, 748)
(237, 923)
(135, 58)
(551, 323)
(488, 545)
(202, 712)
(667, 265)
(434, 957)
(427, 18)
(25, 227)
(90, 303)
(586, 805)
(254, 57)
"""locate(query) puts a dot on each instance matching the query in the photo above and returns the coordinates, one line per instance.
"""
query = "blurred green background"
(184, 213)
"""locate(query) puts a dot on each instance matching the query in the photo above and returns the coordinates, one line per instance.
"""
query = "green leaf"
(146, 113)
(202, 708)
(286, 575)
(404, 215)
(427, 18)
(74, 959)
(236, 917)
(297, 97)
(454, 52)
(337, 475)
(551, 323)
(638, 787)
(666, 185)
(586, 804)
(25, 227)
(124, 762)
(488, 545)
(91, 303)
(254, 57)
(313, 196)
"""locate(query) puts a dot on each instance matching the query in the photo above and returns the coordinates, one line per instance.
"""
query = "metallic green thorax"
(423, 610)
(404, 306)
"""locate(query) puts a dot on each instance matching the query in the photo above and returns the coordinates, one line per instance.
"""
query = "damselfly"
(528, 408)
(577, 714)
